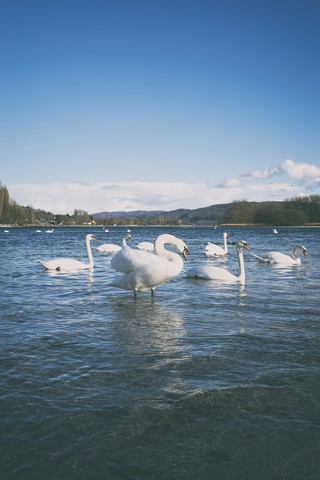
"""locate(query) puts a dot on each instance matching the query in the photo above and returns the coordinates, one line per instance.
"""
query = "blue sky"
(136, 104)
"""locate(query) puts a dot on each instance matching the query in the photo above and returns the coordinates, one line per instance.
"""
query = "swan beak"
(94, 239)
(305, 252)
(184, 253)
(246, 247)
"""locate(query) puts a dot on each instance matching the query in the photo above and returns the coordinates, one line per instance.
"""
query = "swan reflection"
(151, 338)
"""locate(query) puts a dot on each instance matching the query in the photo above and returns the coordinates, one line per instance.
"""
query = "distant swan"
(145, 246)
(213, 250)
(277, 257)
(218, 273)
(144, 270)
(275, 230)
(50, 231)
(112, 247)
(69, 264)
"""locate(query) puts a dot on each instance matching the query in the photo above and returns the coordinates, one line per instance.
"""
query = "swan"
(112, 247)
(275, 230)
(218, 273)
(213, 250)
(278, 257)
(145, 246)
(144, 270)
(69, 264)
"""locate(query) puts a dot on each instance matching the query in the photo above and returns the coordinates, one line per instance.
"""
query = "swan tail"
(121, 282)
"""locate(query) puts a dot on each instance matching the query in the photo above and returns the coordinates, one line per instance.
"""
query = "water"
(201, 381)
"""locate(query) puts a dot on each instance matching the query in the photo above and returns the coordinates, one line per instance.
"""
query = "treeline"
(298, 211)
(10, 211)
(13, 214)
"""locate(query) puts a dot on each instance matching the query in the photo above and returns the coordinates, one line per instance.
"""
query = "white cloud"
(64, 197)
(262, 174)
(299, 170)
(289, 168)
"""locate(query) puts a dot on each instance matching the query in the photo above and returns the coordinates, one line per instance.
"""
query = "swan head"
(303, 249)
(182, 248)
(127, 237)
(91, 237)
(184, 253)
(242, 244)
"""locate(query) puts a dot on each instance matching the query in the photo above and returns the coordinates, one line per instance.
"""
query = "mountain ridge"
(210, 214)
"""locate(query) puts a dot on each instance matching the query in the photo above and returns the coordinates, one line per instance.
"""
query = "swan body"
(112, 247)
(221, 274)
(281, 258)
(146, 246)
(70, 264)
(275, 230)
(142, 270)
(213, 250)
(50, 231)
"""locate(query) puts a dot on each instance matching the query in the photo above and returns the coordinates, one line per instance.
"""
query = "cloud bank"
(279, 182)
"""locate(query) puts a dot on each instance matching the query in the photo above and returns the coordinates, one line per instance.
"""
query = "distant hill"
(297, 211)
(203, 216)
(144, 214)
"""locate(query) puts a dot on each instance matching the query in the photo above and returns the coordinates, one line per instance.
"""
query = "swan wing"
(145, 246)
(278, 257)
(211, 273)
(108, 248)
(149, 275)
(64, 264)
(128, 260)
(212, 250)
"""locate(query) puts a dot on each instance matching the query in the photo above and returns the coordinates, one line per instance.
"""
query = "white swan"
(145, 246)
(278, 257)
(112, 247)
(50, 231)
(144, 270)
(69, 264)
(218, 273)
(213, 250)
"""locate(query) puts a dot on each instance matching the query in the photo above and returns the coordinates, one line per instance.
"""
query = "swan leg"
(153, 291)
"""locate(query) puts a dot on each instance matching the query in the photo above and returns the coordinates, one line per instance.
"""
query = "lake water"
(201, 381)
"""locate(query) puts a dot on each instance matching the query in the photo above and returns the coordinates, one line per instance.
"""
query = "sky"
(109, 105)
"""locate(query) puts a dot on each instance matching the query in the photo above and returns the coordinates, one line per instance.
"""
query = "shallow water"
(201, 381)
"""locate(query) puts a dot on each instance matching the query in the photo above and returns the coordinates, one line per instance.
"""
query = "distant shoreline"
(223, 225)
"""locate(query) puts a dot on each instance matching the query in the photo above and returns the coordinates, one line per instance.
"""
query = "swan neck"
(225, 243)
(241, 265)
(161, 251)
(294, 252)
(89, 252)
(159, 247)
